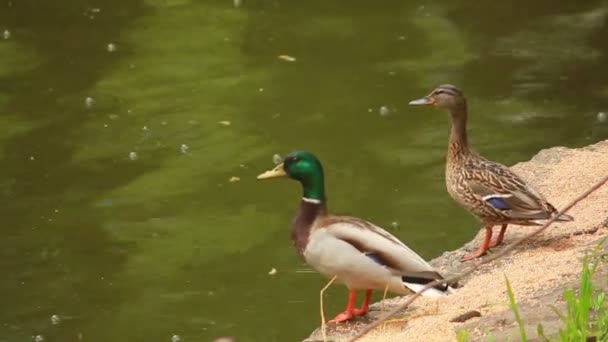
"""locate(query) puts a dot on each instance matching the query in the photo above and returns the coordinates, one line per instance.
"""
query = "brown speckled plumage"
(488, 190)
(471, 178)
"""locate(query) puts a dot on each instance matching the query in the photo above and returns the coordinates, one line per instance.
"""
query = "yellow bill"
(278, 171)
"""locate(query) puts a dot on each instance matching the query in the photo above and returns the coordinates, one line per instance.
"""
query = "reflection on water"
(132, 132)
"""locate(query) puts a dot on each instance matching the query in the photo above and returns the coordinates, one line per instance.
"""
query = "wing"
(380, 246)
(505, 191)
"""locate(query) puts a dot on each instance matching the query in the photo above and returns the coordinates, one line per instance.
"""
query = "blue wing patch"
(498, 203)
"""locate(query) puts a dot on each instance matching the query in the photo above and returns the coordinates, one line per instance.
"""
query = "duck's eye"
(291, 160)
(437, 92)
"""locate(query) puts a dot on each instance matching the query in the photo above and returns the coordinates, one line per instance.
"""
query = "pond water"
(122, 123)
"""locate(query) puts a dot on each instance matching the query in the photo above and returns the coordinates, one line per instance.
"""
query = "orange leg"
(365, 307)
(500, 237)
(483, 248)
(349, 313)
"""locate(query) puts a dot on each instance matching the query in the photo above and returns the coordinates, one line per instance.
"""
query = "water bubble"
(91, 12)
(384, 111)
(6, 34)
(111, 47)
(38, 338)
(394, 224)
(55, 319)
(602, 117)
(175, 338)
(89, 102)
(237, 3)
(184, 148)
(261, 90)
(277, 159)
(133, 155)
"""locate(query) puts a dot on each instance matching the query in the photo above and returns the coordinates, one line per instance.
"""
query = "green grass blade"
(513, 305)
(463, 336)
(541, 333)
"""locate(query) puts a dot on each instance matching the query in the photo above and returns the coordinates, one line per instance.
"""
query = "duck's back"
(494, 193)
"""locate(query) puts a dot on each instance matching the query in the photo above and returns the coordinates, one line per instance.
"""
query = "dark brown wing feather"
(487, 178)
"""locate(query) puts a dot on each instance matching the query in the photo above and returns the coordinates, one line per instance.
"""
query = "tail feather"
(416, 284)
(564, 218)
(432, 292)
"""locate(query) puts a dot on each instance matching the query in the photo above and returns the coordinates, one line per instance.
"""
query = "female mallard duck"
(488, 190)
(358, 253)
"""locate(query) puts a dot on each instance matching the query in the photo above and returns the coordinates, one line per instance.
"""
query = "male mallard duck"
(488, 190)
(358, 253)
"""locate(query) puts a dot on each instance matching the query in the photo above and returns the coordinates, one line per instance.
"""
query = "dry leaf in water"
(287, 58)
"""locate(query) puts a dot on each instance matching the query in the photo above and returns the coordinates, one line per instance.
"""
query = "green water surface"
(119, 222)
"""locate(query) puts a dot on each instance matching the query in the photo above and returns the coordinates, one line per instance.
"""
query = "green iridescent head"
(305, 168)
